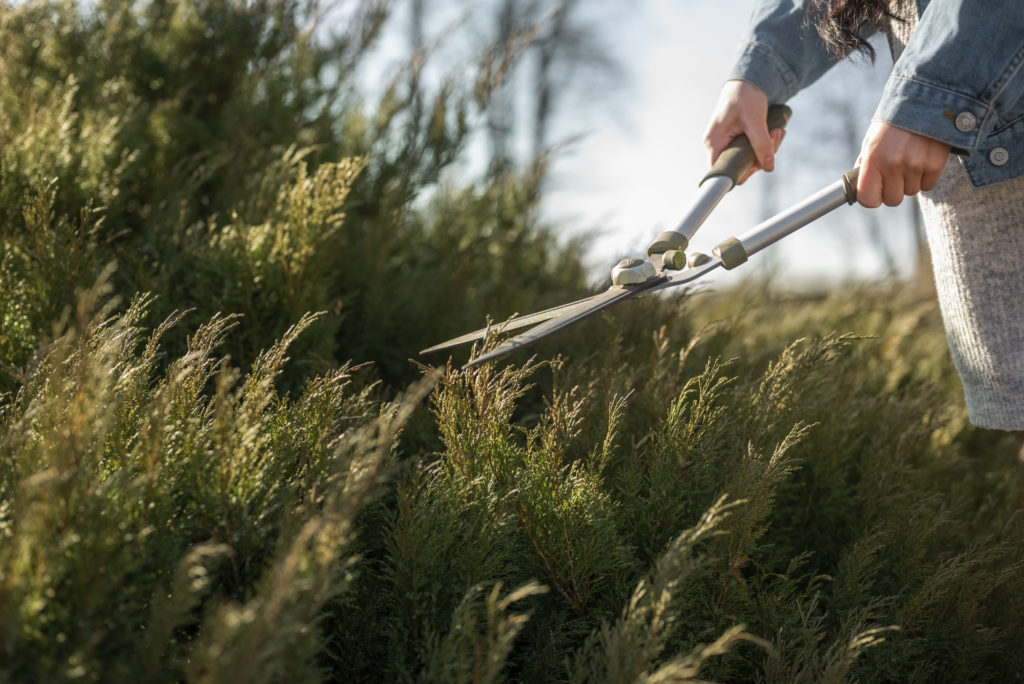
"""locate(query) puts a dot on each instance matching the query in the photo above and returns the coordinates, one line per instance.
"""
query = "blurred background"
(408, 167)
(618, 94)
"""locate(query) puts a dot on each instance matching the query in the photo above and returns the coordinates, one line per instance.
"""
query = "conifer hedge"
(217, 462)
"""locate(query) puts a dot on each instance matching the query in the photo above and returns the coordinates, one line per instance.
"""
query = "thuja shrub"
(186, 521)
(207, 147)
(544, 503)
(810, 511)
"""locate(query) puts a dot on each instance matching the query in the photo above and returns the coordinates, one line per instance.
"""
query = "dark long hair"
(841, 23)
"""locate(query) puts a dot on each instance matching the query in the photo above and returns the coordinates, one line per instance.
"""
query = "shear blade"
(577, 311)
(551, 320)
(518, 323)
(585, 309)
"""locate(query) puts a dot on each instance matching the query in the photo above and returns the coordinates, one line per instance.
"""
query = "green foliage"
(761, 488)
(211, 149)
(123, 486)
(182, 517)
(839, 528)
(630, 649)
(472, 652)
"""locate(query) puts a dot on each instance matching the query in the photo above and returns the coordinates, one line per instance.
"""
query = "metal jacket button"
(999, 156)
(965, 122)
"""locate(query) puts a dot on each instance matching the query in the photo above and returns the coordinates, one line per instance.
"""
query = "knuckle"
(890, 164)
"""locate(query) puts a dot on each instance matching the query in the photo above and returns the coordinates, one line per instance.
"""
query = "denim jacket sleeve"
(781, 53)
(959, 80)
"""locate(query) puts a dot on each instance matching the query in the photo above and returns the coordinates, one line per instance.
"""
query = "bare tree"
(566, 54)
(539, 55)
(417, 41)
(501, 113)
(548, 48)
(416, 25)
(849, 124)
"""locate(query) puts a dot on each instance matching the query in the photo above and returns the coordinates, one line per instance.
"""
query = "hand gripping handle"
(738, 157)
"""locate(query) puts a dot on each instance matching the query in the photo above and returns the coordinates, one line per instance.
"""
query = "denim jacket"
(959, 80)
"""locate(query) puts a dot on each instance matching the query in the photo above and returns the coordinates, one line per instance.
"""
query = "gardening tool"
(667, 264)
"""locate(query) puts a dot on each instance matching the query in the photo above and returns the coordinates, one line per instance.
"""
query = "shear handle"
(732, 163)
(738, 157)
(734, 251)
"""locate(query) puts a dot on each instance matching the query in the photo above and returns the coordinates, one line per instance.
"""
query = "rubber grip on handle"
(850, 184)
(739, 155)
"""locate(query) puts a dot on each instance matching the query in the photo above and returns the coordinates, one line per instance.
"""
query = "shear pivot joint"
(632, 271)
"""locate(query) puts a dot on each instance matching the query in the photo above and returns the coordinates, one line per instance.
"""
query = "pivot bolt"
(632, 271)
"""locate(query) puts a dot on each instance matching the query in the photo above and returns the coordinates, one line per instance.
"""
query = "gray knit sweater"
(976, 238)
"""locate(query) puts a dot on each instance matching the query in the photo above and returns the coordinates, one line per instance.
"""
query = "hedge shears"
(667, 263)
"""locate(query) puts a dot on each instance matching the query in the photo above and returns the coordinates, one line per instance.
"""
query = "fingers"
(930, 179)
(777, 135)
(911, 184)
(869, 187)
(933, 171)
(719, 134)
(896, 163)
(742, 108)
(761, 141)
(892, 191)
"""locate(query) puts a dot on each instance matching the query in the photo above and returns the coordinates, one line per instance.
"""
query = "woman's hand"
(895, 163)
(743, 108)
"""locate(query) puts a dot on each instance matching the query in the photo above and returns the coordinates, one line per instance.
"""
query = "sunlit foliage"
(217, 462)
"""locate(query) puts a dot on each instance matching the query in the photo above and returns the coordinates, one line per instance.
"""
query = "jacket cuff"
(934, 112)
(761, 65)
